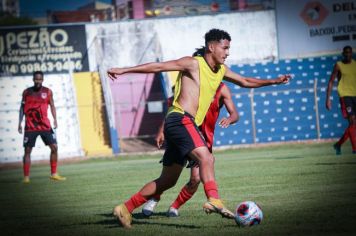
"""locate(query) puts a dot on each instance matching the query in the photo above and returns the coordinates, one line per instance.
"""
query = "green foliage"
(9, 20)
(303, 189)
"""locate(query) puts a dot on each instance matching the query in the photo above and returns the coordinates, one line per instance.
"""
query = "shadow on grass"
(335, 163)
(286, 158)
(112, 222)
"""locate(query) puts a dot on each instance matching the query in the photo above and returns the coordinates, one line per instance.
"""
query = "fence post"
(253, 115)
(316, 108)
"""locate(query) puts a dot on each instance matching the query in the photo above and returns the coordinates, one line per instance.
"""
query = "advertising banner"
(51, 49)
(307, 27)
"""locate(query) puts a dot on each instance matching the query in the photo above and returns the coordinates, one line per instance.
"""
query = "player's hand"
(224, 122)
(114, 72)
(159, 139)
(20, 129)
(55, 124)
(283, 79)
(328, 104)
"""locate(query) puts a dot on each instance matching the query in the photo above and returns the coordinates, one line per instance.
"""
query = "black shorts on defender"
(48, 137)
(348, 106)
(182, 136)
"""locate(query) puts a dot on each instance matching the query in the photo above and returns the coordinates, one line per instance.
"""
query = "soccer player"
(222, 97)
(345, 72)
(195, 87)
(34, 106)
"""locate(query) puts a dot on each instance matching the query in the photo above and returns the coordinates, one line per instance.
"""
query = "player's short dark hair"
(216, 35)
(199, 52)
(347, 47)
(38, 72)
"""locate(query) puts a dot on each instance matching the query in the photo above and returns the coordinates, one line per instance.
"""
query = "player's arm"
(247, 82)
(230, 107)
(53, 109)
(21, 113)
(183, 64)
(160, 136)
(333, 76)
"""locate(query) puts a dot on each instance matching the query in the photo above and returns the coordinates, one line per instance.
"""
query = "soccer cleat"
(172, 212)
(57, 177)
(337, 149)
(149, 207)
(123, 215)
(214, 205)
(26, 180)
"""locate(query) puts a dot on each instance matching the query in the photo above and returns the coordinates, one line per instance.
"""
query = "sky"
(38, 8)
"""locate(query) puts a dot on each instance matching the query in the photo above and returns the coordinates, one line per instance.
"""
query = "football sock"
(344, 137)
(211, 189)
(26, 169)
(352, 135)
(182, 198)
(135, 201)
(53, 167)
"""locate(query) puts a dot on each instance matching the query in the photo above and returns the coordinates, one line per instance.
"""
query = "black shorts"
(182, 136)
(48, 137)
(348, 106)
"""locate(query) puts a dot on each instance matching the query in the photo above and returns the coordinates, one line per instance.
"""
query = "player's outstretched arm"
(333, 76)
(230, 107)
(182, 64)
(247, 82)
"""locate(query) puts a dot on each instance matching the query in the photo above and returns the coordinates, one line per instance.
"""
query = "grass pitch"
(303, 189)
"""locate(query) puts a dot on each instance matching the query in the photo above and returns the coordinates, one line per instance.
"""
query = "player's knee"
(193, 184)
(54, 148)
(207, 160)
(28, 150)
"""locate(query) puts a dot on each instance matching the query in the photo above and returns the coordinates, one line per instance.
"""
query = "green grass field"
(303, 189)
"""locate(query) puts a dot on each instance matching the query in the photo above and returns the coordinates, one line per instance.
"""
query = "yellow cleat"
(214, 205)
(26, 180)
(123, 215)
(57, 177)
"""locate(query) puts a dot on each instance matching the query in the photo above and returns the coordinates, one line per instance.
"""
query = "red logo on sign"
(314, 13)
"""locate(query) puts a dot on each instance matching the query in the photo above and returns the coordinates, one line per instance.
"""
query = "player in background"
(34, 107)
(222, 97)
(195, 87)
(345, 73)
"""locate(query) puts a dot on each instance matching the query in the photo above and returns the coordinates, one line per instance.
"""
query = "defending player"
(345, 72)
(196, 85)
(34, 106)
(222, 97)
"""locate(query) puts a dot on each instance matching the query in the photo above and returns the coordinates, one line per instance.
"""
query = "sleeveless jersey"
(35, 109)
(347, 83)
(208, 126)
(208, 83)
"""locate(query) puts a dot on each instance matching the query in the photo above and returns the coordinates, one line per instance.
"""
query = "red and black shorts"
(182, 136)
(48, 137)
(348, 106)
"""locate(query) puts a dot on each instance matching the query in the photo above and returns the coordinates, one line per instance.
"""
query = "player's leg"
(350, 103)
(29, 142)
(186, 192)
(49, 139)
(167, 179)
(345, 136)
(27, 164)
(207, 177)
(352, 132)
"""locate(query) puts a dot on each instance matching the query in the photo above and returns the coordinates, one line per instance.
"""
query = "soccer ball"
(248, 213)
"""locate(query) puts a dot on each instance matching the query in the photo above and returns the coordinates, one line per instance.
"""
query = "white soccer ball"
(248, 213)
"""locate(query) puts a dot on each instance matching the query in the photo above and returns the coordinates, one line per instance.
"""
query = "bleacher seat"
(284, 112)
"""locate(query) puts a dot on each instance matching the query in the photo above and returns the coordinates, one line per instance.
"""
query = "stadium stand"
(292, 112)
